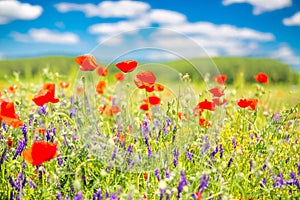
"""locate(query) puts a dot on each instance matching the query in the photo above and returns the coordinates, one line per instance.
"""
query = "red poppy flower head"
(40, 152)
(144, 107)
(127, 65)
(221, 79)
(243, 103)
(86, 62)
(12, 89)
(9, 142)
(119, 76)
(8, 114)
(261, 78)
(204, 123)
(45, 95)
(145, 80)
(154, 100)
(158, 87)
(208, 105)
(217, 91)
(64, 84)
(101, 71)
(253, 104)
(100, 87)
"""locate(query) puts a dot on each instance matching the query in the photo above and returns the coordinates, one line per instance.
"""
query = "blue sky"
(253, 28)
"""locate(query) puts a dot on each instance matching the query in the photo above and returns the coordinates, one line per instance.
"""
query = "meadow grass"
(244, 154)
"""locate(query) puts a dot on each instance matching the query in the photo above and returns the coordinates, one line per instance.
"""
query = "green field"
(135, 154)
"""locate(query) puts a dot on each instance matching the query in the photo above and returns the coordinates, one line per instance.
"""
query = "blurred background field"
(236, 69)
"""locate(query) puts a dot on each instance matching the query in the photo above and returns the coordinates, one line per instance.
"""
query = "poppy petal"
(127, 65)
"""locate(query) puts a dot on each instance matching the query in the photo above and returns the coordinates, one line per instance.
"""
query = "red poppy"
(221, 79)
(145, 176)
(243, 103)
(217, 91)
(145, 80)
(112, 110)
(119, 76)
(253, 104)
(8, 114)
(154, 100)
(198, 195)
(9, 142)
(100, 87)
(217, 101)
(261, 78)
(102, 109)
(64, 84)
(12, 89)
(101, 71)
(87, 62)
(208, 105)
(41, 131)
(45, 95)
(40, 152)
(144, 106)
(127, 65)
(204, 123)
(158, 87)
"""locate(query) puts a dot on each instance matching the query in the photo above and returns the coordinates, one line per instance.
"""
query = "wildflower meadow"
(137, 130)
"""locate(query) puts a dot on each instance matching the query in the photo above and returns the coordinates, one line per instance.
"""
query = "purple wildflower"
(13, 184)
(229, 162)
(83, 179)
(294, 180)
(298, 169)
(58, 195)
(251, 165)
(113, 196)
(60, 161)
(206, 147)
(106, 194)
(12, 197)
(129, 149)
(114, 154)
(264, 167)
(98, 195)
(19, 149)
(167, 172)
(175, 157)
(31, 184)
(287, 160)
(72, 112)
(3, 157)
(234, 143)
(203, 183)
(4, 126)
(221, 150)
(189, 155)
(212, 154)
(182, 183)
(78, 196)
(156, 173)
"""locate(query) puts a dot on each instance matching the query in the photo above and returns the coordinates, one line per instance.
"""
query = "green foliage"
(234, 68)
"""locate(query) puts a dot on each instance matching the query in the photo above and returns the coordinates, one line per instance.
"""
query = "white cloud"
(293, 20)
(261, 6)
(13, 10)
(118, 27)
(107, 9)
(161, 16)
(286, 54)
(223, 31)
(46, 36)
